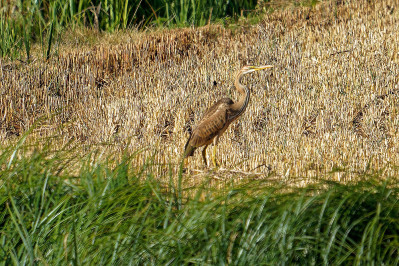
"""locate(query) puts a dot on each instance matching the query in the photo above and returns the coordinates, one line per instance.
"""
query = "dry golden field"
(329, 105)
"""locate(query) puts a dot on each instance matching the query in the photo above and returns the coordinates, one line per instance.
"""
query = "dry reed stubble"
(148, 91)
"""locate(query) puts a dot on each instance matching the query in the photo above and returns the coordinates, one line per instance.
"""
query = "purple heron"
(218, 117)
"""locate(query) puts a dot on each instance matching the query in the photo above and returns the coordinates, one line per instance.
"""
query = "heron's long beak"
(262, 67)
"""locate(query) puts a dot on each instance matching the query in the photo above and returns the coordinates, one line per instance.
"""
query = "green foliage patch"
(24, 22)
(59, 207)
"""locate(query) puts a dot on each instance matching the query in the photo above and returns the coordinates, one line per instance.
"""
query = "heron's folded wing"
(210, 126)
(224, 103)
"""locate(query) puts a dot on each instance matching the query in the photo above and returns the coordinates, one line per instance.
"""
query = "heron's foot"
(215, 163)
(184, 166)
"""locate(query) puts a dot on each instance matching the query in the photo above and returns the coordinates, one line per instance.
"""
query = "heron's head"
(249, 69)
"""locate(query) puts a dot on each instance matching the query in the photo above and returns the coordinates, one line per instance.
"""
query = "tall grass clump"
(64, 206)
(24, 22)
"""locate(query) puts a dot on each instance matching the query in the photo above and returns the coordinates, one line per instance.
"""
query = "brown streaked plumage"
(219, 116)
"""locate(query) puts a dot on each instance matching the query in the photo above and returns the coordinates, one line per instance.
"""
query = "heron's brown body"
(218, 117)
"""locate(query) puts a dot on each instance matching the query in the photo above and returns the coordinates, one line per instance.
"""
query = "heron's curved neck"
(239, 106)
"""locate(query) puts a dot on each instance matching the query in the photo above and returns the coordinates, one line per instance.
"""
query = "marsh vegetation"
(93, 124)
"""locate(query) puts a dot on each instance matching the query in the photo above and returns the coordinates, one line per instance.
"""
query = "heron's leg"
(215, 142)
(204, 155)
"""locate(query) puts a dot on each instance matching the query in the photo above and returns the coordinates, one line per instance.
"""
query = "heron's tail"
(188, 149)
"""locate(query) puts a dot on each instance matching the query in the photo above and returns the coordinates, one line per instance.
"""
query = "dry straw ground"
(330, 103)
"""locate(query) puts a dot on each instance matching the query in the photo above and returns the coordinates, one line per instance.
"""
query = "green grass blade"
(22, 230)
